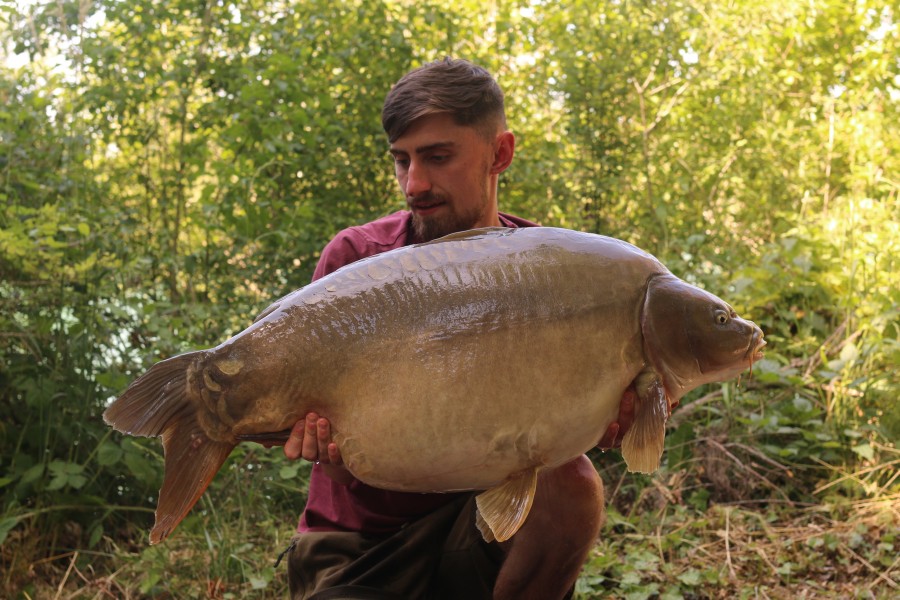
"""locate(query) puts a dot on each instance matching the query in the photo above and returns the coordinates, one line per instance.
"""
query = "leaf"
(6, 526)
(96, 534)
(691, 577)
(57, 483)
(700, 499)
(258, 583)
(140, 467)
(288, 471)
(802, 404)
(679, 444)
(33, 474)
(66, 474)
(109, 454)
(865, 450)
(76, 481)
(849, 353)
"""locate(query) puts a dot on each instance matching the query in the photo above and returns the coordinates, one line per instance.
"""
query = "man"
(449, 140)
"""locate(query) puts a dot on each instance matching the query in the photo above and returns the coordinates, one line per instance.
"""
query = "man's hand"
(618, 428)
(311, 439)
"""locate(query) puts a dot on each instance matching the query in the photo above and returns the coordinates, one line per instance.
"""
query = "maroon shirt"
(358, 507)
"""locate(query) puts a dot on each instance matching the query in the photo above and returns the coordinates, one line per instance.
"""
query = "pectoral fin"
(642, 445)
(503, 509)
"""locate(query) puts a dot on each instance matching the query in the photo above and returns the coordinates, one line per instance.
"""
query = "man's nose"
(417, 181)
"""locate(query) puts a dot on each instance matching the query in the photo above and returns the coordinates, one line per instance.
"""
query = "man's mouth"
(426, 207)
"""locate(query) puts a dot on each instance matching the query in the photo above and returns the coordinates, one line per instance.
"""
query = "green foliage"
(167, 169)
(726, 551)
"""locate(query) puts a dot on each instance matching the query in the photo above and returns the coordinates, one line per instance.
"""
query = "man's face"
(446, 173)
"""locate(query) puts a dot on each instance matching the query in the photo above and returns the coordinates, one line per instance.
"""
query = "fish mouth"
(754, 350)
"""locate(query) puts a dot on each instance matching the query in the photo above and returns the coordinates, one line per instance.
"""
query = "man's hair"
(452, 86)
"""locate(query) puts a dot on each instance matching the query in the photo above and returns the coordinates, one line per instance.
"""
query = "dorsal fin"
(473, 234)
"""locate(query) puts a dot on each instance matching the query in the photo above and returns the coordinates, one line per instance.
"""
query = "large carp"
(467, 363)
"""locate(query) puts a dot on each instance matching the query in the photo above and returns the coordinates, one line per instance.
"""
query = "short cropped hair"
(453, 86)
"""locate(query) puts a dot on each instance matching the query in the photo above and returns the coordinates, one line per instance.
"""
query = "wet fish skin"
(471, 362)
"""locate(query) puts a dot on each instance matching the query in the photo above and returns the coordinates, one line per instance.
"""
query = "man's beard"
(433, 227)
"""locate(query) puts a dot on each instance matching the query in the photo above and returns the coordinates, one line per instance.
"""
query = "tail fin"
(158, 404)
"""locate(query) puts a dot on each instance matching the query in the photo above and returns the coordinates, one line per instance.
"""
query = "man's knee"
(550, 549)
(577, 478)
(575, 491)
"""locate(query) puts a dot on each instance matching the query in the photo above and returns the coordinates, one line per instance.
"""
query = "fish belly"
(466, 413)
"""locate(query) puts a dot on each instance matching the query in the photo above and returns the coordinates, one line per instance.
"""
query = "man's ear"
(504, 148)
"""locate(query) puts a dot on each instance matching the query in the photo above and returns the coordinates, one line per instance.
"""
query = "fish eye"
(721, 317)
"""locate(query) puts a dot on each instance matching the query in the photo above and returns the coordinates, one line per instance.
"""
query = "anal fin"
(642, 446)
(192, 459)
(503, 509)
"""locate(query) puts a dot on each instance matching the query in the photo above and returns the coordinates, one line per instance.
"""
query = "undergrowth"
(655, 545)
(664, 541)
(709, 524)
(226, 547)
(745, 551)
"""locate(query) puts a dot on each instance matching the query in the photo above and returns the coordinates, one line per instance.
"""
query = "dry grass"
(727, 528)
(735, 551)
(728, 525)
(670, 551)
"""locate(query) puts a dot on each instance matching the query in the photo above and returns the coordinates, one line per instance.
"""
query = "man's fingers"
(310, 449)
(609, 438)
(310, 439)
(334, 455)
(323, 438)
(293, 447)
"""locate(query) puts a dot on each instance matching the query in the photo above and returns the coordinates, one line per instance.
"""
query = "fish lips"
(754, 350)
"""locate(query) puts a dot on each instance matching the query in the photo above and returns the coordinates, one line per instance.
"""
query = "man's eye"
(439, 158)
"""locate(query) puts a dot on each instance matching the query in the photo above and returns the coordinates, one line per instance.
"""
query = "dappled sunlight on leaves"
(167, 169)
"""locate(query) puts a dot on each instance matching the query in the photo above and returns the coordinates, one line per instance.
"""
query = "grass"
(734, 523)
(743, 551)
(187, 566)
(666, 538)
(225, 548)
